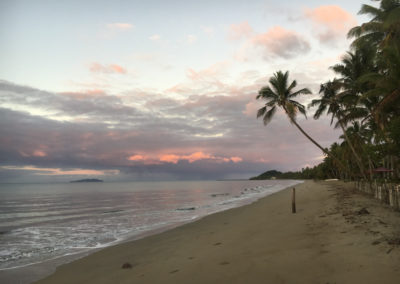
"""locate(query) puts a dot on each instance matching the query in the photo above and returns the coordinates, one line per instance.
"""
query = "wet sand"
(330, 239)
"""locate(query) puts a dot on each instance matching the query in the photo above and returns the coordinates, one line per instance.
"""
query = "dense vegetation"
(274, 174)
(363, 100)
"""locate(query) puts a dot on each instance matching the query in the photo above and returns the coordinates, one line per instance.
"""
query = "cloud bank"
(207, 135)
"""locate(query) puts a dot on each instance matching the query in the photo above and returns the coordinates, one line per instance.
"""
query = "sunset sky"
(160, 90)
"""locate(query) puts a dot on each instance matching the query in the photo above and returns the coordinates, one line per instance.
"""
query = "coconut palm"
(383, 29)
(281, 94)
(386, 88)
(332, 103)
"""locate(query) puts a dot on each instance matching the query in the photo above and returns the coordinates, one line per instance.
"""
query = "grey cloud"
(165, 125)
(281, 43)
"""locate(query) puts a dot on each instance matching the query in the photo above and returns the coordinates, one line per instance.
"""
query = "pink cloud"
(278, 41)
(236, 159)
(39, 153)
(34, 153)
(196, 156)
(107, 69)
(240, 31)
(137, 158)
(331, 21)
(170, 158)
(251, 108)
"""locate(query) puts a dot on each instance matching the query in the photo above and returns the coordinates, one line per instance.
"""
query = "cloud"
(275, 42)
(60, 172)
(280, 42)
(107, 69)
(240, 31)
(120, 26)
(331, 22)
(137, 158)
(236, 159)
(210, 132)
(197, 156)
(39, 153)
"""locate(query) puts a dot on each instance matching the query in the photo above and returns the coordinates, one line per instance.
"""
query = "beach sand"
(329, 240)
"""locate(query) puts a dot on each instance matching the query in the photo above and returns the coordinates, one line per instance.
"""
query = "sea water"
(40, 222)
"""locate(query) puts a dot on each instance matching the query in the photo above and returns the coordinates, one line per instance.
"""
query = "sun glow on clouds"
(61, 172)
(174, 158)
(202, 109)
(35, 153)
(137, 158)
(330, 21)
(39, 153)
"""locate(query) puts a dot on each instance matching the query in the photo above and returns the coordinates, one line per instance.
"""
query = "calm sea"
(39, 222)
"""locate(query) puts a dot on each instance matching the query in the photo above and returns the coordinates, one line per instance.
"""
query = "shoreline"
(326, 241)
(30, 273)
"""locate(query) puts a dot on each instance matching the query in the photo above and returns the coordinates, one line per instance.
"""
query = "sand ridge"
(328, 240)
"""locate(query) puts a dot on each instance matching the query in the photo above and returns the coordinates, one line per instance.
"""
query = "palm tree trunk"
(325, 151)
(358, 159)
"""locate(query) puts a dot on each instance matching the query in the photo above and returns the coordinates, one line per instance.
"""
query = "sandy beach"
(331, 239)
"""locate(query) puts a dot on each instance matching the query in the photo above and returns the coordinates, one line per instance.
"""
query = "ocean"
(41, 222)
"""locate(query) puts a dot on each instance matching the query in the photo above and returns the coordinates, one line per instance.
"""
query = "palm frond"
(266, 93)
(355, 32)
(321, 109)
(292, 86)
(372, 11)
(268, 116)
(261, 111)
(304, 91)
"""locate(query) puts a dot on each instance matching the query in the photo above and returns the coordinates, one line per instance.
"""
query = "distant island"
(88, 180)
(274, 174)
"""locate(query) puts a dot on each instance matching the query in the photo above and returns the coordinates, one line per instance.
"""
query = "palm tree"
(281, 94)
(383, 29)
(381, 33)
(332, 104)
(386, 87)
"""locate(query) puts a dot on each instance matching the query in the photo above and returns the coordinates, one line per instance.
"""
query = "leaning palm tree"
(281, 94)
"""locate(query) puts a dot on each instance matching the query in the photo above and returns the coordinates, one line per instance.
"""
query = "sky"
(160, 90)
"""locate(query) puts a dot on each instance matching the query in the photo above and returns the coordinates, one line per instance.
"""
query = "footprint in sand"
(224, 263)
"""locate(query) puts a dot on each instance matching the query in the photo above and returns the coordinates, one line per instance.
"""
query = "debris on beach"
(219, 194)
(126, 265)
(186, 209)
(363, 211)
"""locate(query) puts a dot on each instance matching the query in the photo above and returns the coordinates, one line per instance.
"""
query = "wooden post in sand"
(294, 200)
